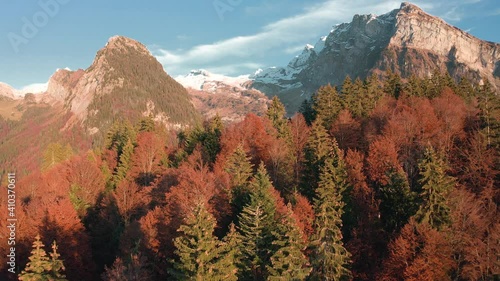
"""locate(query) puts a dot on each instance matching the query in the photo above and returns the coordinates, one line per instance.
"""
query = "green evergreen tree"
(276, 113)
(354, 98)
(230, 255)
(256, 240)
(257, 223)
(319, 146)
(393, 85)
(327, 105)
(329, 259)
(307, 110)
(146, 124)
(489, 106)
(56, 265)
(55, 153)
(436, 186)
(240, 170)
(120, 133)
(211, 139)
(42, 268)
(197, 248)
(289, 262)
(397, 201)
(373, 94)
(124, 163)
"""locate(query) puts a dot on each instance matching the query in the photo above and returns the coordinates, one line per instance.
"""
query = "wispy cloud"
(284, 36)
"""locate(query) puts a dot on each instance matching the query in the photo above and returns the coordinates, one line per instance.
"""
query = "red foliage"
(147, 156)
(347, 131)
(420, 253)
(452, 112)
(255, 133)
(300, 135)
(131, 199)
(382, 158)
(304, 214)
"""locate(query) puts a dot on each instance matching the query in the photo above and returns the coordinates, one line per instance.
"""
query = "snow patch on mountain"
(203, 79)
(282, 75)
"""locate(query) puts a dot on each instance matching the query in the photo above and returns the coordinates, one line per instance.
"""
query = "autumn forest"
(382, 179)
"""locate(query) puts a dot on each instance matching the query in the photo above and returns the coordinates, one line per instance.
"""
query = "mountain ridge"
(406, 41)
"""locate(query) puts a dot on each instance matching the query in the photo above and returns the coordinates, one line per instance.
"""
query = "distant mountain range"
(406, 41)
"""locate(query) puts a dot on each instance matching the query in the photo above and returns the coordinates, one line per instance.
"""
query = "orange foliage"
(346, 130)
(420, 253)
(304, 214)
(381, 159)
(146, 158)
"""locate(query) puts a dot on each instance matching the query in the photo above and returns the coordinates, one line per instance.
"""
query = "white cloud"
(292, 50)
(284, 36)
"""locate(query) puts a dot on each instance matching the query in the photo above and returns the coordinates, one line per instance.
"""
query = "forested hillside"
(373, 180)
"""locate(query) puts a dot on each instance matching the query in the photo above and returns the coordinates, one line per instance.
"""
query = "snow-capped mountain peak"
(202, 79)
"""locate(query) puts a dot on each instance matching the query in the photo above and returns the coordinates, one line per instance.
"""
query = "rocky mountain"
(406, 40)
(124, 81)
(229, 97)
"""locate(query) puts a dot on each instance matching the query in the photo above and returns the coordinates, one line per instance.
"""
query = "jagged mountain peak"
(123, 43)
(406, 40)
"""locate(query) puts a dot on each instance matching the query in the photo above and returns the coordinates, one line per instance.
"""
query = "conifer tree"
(327, 104)
(307, 110)
(257, 223)
(197, 248)
(397, 201)
(354, 97)
(276, 113)
(54, 154)
(230, 255)
(240, 170)
(489, 106)
(329, 258)
(436, 186)
(319, 146)
(40, 267)
(56, 265)
(288, 262)
(124, 163)
(256, 240)
(393, 85)
(146, 124)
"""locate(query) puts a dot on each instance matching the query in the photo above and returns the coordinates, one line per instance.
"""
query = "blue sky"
(230, 37)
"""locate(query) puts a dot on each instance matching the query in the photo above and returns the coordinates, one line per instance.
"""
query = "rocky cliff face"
(407, 41)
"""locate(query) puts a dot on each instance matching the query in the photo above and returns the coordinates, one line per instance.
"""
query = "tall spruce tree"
(329, 259)
(257, 224)
(230, 255)
(42, 268)
(288, 262)
(197, 248)
(276, 113)
(256, 240)
(318, 148)
(124, 163)
(240, 169)
(397, 201)
(56, 265)
(436, 186)
(327, 105)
